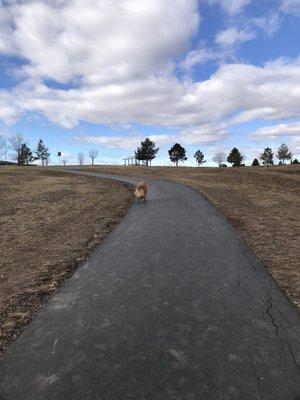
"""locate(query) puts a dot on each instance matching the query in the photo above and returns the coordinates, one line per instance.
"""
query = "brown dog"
(141, 192)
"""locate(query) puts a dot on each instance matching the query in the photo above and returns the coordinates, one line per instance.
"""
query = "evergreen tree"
(177, 153)
(295, 161)
(24, 155)
(255, 162)
(42, 152)
(147, 151)
(267, 156)
(284, 153)
(235, 157)
(199, 156)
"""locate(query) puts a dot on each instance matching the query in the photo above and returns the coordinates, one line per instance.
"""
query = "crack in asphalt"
(281, 339)
(284, 343)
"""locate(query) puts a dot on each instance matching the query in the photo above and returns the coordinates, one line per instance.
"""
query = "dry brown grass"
(261, 203)
(50, 221)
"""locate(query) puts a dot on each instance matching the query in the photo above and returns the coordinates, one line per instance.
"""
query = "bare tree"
(219, 158)
(3, 147)
(80, 158)
(64, 161)
(93, 155)
(16, 142)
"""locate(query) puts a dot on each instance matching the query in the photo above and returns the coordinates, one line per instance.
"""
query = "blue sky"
(208, 74)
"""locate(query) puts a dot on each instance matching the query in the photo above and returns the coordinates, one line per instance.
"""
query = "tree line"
(147, 151)
(21, 153)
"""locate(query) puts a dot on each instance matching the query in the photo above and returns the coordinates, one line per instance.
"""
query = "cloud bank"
(116, 62)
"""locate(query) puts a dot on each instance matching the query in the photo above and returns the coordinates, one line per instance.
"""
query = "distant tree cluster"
(283, 154)
(148, 151)
(19, 151)
(21, 154)
(267, 157)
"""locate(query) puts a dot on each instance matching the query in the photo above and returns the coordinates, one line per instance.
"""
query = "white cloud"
(295, 145)
(5, 29)
(269, 24)
(8, 111)
(201, 55)
(277, 134)
(121, 55)
(121, 142)
(232, 7)
(113, 142)
(235, 93)
(205, 135)
(232, 36)
(98, 41)
(277, 131)
(291, 6)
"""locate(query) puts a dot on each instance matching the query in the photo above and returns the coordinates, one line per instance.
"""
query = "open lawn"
(261, 203)
(50, 221)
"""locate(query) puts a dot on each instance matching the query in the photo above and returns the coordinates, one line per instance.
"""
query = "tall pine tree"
(235, 157)
(177, 153)
(147, 151)
(284, 153)
(42, 152)
(199, 156)
(24, 155)
(267, 156)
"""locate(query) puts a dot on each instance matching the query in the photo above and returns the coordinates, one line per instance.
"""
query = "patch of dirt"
(50, 222)
(262, 203)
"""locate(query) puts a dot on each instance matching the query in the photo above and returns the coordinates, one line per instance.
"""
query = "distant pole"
(59, 155)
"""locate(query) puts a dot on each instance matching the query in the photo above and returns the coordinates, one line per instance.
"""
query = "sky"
(105, 74)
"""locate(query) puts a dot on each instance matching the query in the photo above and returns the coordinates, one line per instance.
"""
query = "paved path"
(172, 305)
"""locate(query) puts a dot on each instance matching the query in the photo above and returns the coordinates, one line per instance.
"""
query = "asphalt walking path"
(172, 305)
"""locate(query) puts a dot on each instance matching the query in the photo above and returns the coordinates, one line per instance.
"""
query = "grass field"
(261, 203)
(50, 222)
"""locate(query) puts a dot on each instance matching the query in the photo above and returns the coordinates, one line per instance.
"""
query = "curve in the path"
(172, 305)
